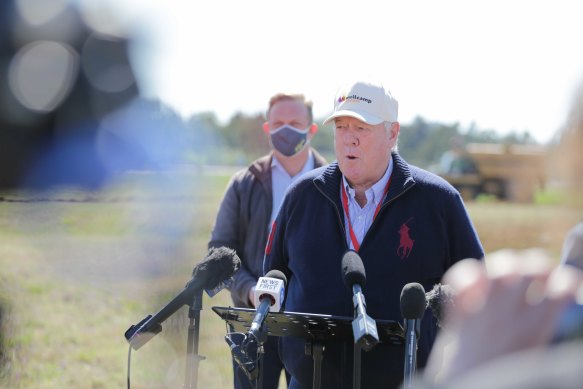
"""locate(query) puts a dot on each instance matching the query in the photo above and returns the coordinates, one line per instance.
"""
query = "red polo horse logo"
(405, 243)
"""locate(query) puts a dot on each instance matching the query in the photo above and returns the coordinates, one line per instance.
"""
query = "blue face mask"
(289, 140)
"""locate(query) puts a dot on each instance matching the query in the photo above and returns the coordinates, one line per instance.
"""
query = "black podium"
(314, 328)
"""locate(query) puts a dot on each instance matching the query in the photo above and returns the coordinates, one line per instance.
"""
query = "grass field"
(79, 268)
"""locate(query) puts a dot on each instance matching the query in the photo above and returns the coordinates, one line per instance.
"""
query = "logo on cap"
(341, 99)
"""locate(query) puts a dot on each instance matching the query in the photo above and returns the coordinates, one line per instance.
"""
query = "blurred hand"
(511, 303)
(252, 297)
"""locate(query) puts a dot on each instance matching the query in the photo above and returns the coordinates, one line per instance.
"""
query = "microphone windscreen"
(219, 264)
(439, 299)
(413, 301)
(353, 269)
(277, 274)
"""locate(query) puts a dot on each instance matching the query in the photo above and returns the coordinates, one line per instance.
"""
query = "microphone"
(413, 304)
(439, 300)
(269, 295)
(218, 266)
(364, 328)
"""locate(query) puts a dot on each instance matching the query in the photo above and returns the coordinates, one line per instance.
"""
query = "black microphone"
(413, 304)
(364, 327)
(218, 266)
(269, 295)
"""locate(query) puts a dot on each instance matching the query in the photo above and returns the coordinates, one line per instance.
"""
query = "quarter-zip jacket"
(421, 230)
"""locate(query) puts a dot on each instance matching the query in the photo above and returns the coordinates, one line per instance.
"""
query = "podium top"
(309, 326)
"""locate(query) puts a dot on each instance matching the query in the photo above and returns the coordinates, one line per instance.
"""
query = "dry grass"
(519, 226)
(76, 275)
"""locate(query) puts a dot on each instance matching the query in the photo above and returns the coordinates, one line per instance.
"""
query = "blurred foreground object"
(508, 310)
(572, 253)
(64, 69)
(570, 146)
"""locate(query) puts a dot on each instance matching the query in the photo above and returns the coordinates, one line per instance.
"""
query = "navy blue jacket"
(422, 228)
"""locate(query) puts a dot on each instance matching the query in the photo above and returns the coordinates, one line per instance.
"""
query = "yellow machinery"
(509, 172)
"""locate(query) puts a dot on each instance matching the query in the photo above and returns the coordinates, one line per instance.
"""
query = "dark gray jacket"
(243, 222)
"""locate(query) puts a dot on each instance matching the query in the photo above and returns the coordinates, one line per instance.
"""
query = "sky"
(500, 65)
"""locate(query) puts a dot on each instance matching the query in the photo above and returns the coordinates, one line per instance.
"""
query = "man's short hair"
(296, 97)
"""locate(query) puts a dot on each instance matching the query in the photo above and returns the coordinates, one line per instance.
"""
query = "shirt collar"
(309, 165)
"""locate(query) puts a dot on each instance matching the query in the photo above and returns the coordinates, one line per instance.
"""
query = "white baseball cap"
(367, 102)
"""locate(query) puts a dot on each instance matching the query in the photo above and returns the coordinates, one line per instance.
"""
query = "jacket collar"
(262, 164)
(402, 179)
(329, 180)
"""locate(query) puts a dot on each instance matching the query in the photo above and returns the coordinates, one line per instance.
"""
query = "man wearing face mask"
(252, 200)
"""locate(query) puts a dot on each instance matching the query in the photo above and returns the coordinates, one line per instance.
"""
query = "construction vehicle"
(512, 172)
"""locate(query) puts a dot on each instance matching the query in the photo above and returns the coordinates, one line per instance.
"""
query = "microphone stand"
(192, 357)
(412, 328)
(356, 367)
(261, 339)
(315, 329)
(261, 352)
(316, 350)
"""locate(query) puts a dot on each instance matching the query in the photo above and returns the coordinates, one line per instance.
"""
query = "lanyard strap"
(355, 243)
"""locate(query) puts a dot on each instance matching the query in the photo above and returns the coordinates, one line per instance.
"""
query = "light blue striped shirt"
(281, 180)
(362, 218)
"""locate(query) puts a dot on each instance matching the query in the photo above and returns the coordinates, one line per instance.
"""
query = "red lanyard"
(355, 243)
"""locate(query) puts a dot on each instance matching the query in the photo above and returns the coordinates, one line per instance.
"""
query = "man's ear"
(266, 127)
(395, 129)
(313, 129)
